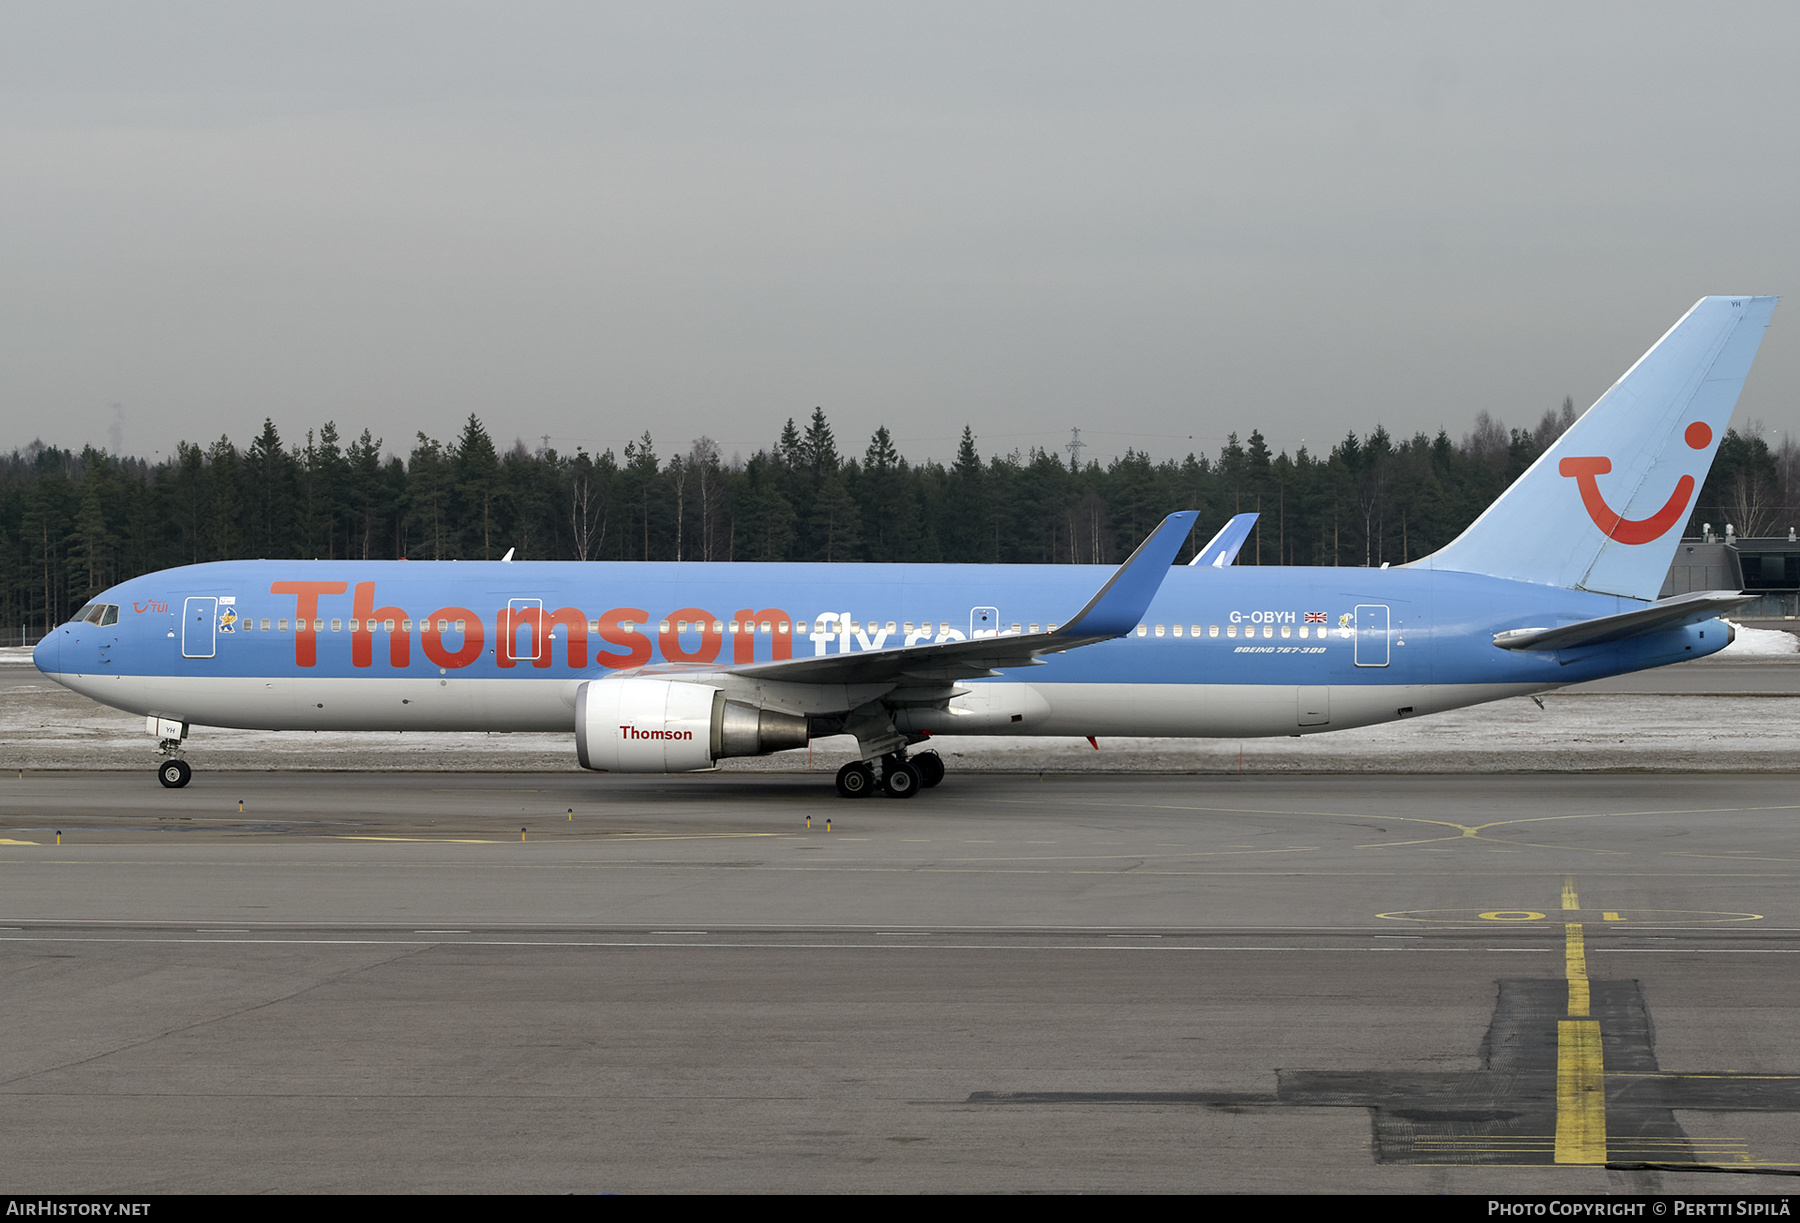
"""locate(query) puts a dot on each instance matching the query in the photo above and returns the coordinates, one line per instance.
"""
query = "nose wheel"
(174, 774)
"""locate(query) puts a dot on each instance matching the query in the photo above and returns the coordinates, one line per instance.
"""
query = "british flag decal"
(1315, 617)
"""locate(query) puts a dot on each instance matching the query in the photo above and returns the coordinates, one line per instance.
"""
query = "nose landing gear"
(172, 771)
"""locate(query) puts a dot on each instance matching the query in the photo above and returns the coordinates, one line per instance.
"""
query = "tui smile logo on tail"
(1585, 468)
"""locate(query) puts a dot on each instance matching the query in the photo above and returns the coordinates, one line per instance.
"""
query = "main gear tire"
(901, 780)
(855, 780)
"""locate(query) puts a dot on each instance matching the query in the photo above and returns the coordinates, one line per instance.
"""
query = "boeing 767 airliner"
(673, 667)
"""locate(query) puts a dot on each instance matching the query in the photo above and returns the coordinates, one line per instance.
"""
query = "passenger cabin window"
(1212, 630)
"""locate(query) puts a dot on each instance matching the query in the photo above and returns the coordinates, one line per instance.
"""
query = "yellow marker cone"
(59, 836)
(828, 823)
(571, 815)
(521, 834)
(809, 821)
(240, 804)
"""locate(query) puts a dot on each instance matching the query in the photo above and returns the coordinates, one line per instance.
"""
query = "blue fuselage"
(305, 629)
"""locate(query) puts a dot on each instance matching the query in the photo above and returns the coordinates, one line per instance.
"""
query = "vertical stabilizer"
(1603, 508)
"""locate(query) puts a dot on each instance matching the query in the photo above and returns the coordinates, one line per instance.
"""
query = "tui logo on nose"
(1583, 469)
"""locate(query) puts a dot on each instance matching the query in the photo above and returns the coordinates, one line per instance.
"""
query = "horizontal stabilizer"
(1223, 548)
(1658, 617)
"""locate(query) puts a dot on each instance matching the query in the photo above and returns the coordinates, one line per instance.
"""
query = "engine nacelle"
(663, 726)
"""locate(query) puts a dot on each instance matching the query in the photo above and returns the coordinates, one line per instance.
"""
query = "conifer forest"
(73, 523)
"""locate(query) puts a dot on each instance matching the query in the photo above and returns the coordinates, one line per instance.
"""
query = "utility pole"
(1074, 447)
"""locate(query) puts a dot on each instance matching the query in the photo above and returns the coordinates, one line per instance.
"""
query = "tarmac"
(1530, 954)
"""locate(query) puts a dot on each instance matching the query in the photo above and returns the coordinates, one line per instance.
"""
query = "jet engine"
(665, 726)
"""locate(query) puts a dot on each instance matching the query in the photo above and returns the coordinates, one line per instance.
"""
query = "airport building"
(1766, 566)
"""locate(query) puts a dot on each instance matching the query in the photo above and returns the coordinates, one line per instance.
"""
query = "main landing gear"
(900, 777)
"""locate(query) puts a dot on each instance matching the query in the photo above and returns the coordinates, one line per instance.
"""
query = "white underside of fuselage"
(989, 708)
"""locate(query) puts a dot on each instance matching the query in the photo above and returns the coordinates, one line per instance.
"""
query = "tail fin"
(1602, 509)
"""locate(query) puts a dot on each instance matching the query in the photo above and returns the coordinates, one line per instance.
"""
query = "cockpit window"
(101, 614)
(111, 616)
(81, 616)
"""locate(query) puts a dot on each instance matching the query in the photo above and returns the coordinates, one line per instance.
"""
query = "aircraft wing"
(1665, 614)
(1222, 549)
(1115, 610)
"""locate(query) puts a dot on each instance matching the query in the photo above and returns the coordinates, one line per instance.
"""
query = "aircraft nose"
(46, 653)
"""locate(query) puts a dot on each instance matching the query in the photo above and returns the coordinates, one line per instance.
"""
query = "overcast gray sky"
(1157, 222)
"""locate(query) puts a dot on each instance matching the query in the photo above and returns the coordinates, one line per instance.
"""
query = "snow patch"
(1759, 641)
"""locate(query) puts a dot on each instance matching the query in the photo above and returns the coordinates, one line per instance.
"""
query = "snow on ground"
(43, 726)
(1753, 641)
